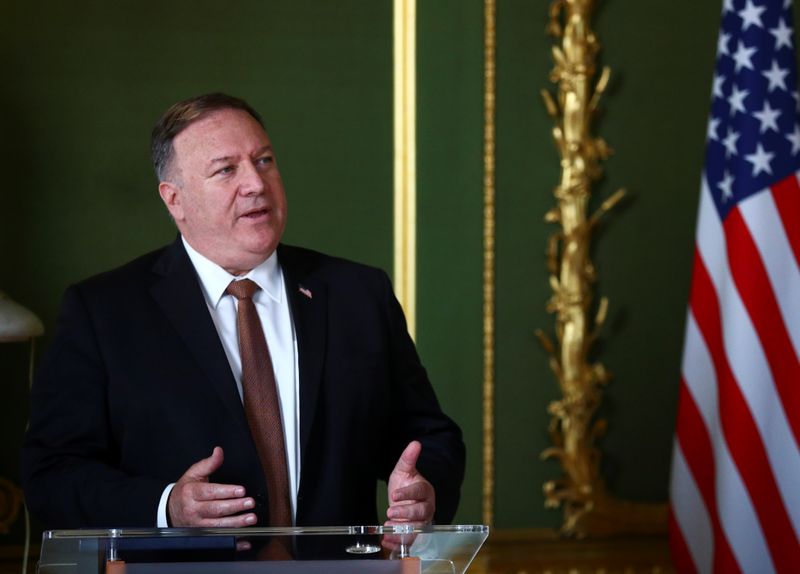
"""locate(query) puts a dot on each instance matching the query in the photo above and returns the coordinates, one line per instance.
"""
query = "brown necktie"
(261, 403)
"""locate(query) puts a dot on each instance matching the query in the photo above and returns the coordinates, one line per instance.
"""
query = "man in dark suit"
(137, 412)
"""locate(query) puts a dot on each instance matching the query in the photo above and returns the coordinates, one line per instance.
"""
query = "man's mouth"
(255, 213)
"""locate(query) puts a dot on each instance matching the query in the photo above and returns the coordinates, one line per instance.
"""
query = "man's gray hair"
(180, 116)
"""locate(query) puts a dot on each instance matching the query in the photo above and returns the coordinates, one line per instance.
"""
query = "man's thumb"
(408, 460)
(202, 469)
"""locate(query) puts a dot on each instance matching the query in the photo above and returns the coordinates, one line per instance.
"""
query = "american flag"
(735, 485)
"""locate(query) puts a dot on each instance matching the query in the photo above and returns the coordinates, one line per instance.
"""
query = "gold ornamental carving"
(589, 509)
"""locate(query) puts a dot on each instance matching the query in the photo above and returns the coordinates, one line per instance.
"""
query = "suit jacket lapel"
(309, 304)
(178, 293)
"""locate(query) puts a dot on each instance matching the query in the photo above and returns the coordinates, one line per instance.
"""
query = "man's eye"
(228, 169)
(266, 160)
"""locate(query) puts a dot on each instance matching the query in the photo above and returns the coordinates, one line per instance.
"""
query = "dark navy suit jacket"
(136, 387)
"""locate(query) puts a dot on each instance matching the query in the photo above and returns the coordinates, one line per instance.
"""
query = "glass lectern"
(332, 550)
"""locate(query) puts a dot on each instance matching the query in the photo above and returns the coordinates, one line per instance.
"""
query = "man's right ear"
(171, 196)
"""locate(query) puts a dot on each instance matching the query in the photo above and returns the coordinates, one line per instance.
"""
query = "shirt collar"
(214, 280)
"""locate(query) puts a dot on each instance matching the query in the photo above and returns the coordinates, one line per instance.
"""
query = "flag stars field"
(722, 44)
(730, 142)
(725, 186)
(768, 118)
(776, 77)
(719, 83)
(794, 139)
(760, 160)
(713, 124)
(743, 57)
(753, 94)
(783, 35)
(736, 100)
(751, 15)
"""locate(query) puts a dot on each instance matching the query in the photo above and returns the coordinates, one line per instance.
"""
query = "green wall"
(85, 81)
(450, 219)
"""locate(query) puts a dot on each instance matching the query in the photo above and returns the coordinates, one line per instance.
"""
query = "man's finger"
(204, 491)
(421, 490)
(218, 508)
(420, 512)
(408, 460)
(202, 469)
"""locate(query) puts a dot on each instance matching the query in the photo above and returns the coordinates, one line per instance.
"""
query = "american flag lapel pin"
(306, 292)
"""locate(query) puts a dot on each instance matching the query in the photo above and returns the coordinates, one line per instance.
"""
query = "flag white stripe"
(749, 364)
(764, 221)
(690, 513)
(737, 515)
(709, 229)
(739, 520)
(701, 379)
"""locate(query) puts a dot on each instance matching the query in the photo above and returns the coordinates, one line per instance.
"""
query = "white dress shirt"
(272, 305)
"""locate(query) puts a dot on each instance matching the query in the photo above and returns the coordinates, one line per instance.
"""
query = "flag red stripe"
(699, 454)
(681, 557)
(787, 198)
(752, 282)
(741, 433)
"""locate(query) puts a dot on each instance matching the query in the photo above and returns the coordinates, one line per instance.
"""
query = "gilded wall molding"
(405, 152)
(405, 206)
(489, 84)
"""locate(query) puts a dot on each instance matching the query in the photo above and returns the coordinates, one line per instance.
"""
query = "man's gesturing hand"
(411, 497)
(196, 502)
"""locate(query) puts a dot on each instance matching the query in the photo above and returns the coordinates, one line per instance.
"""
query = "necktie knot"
(242, 289)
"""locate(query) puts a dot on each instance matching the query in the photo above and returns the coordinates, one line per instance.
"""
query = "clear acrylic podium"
(332, 550)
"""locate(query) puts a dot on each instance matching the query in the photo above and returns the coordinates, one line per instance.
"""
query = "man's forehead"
(221, 128)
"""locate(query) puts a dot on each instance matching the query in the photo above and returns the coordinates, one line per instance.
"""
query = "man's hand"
(411, 497)
(196, 502)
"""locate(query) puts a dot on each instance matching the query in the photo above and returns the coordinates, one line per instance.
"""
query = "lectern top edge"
(265, 531)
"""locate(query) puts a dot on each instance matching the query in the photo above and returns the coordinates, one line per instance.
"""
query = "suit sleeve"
(70, 462)
(418, 416)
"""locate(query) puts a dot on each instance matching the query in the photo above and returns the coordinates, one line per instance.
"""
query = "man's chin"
(258, 252)
(243, 260)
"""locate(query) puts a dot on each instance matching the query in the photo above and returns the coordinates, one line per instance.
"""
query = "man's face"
(224, 190)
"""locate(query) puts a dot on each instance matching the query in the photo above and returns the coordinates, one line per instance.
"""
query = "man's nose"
(250, 181)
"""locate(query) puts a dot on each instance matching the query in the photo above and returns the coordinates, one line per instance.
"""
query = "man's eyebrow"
(224, 158)
(227, 158)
